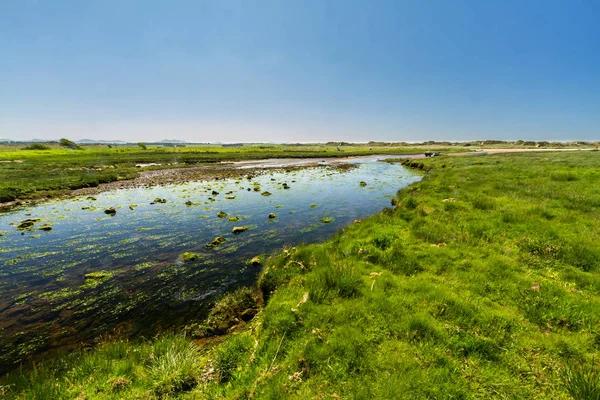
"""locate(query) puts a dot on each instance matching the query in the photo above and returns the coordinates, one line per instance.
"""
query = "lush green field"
(31, 174)
(482, 282)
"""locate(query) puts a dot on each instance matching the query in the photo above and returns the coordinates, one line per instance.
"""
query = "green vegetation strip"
(482, 282)
(35, 171)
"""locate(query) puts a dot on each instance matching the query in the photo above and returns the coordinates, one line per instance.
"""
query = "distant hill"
(90, 141)
(171, 141)
(26, 141)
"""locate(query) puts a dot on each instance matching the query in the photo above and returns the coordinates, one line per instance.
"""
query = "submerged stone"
(363, 183)
(239, 229)
(234, 219)
(216, 242)
(27, 224)
(326, 220)
(110, 211)
(255, 261)
(272, 215)
(230, 197)
(46, 227)
(265, 193)
(222, 214)
(214, 193)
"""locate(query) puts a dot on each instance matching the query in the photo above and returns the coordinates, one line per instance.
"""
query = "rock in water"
(255, 261)
(216, 242)
(46, 227)
(189, 256)
(239, 229)
(27, 224)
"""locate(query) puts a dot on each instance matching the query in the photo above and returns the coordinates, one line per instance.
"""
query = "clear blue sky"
(300, 70)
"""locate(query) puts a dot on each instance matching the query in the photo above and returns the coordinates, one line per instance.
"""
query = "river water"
(141, 283)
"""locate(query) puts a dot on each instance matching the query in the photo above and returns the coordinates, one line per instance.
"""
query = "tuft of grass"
(229, 357)
(582, 381)
(174, 368)
(336, 280)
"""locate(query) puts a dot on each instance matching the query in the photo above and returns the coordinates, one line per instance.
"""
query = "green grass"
(483, 282)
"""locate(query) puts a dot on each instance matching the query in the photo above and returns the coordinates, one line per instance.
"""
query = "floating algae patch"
(189, 256)
(133, 256)
(59, 294)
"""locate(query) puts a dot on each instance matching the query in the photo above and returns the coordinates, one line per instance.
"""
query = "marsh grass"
(485, 286)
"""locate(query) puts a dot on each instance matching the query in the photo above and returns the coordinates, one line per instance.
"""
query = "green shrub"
(69, 144)
(383, 241)
(411, 203)
(36, 146)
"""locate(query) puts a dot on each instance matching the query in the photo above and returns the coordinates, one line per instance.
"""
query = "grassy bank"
(482, 282)
(34, 174)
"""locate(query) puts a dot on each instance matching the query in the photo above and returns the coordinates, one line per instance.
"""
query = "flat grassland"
(483, 281)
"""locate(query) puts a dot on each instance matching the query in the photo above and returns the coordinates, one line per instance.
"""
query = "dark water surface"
(141, 284)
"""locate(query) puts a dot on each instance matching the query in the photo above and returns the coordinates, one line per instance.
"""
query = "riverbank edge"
(235, 311)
